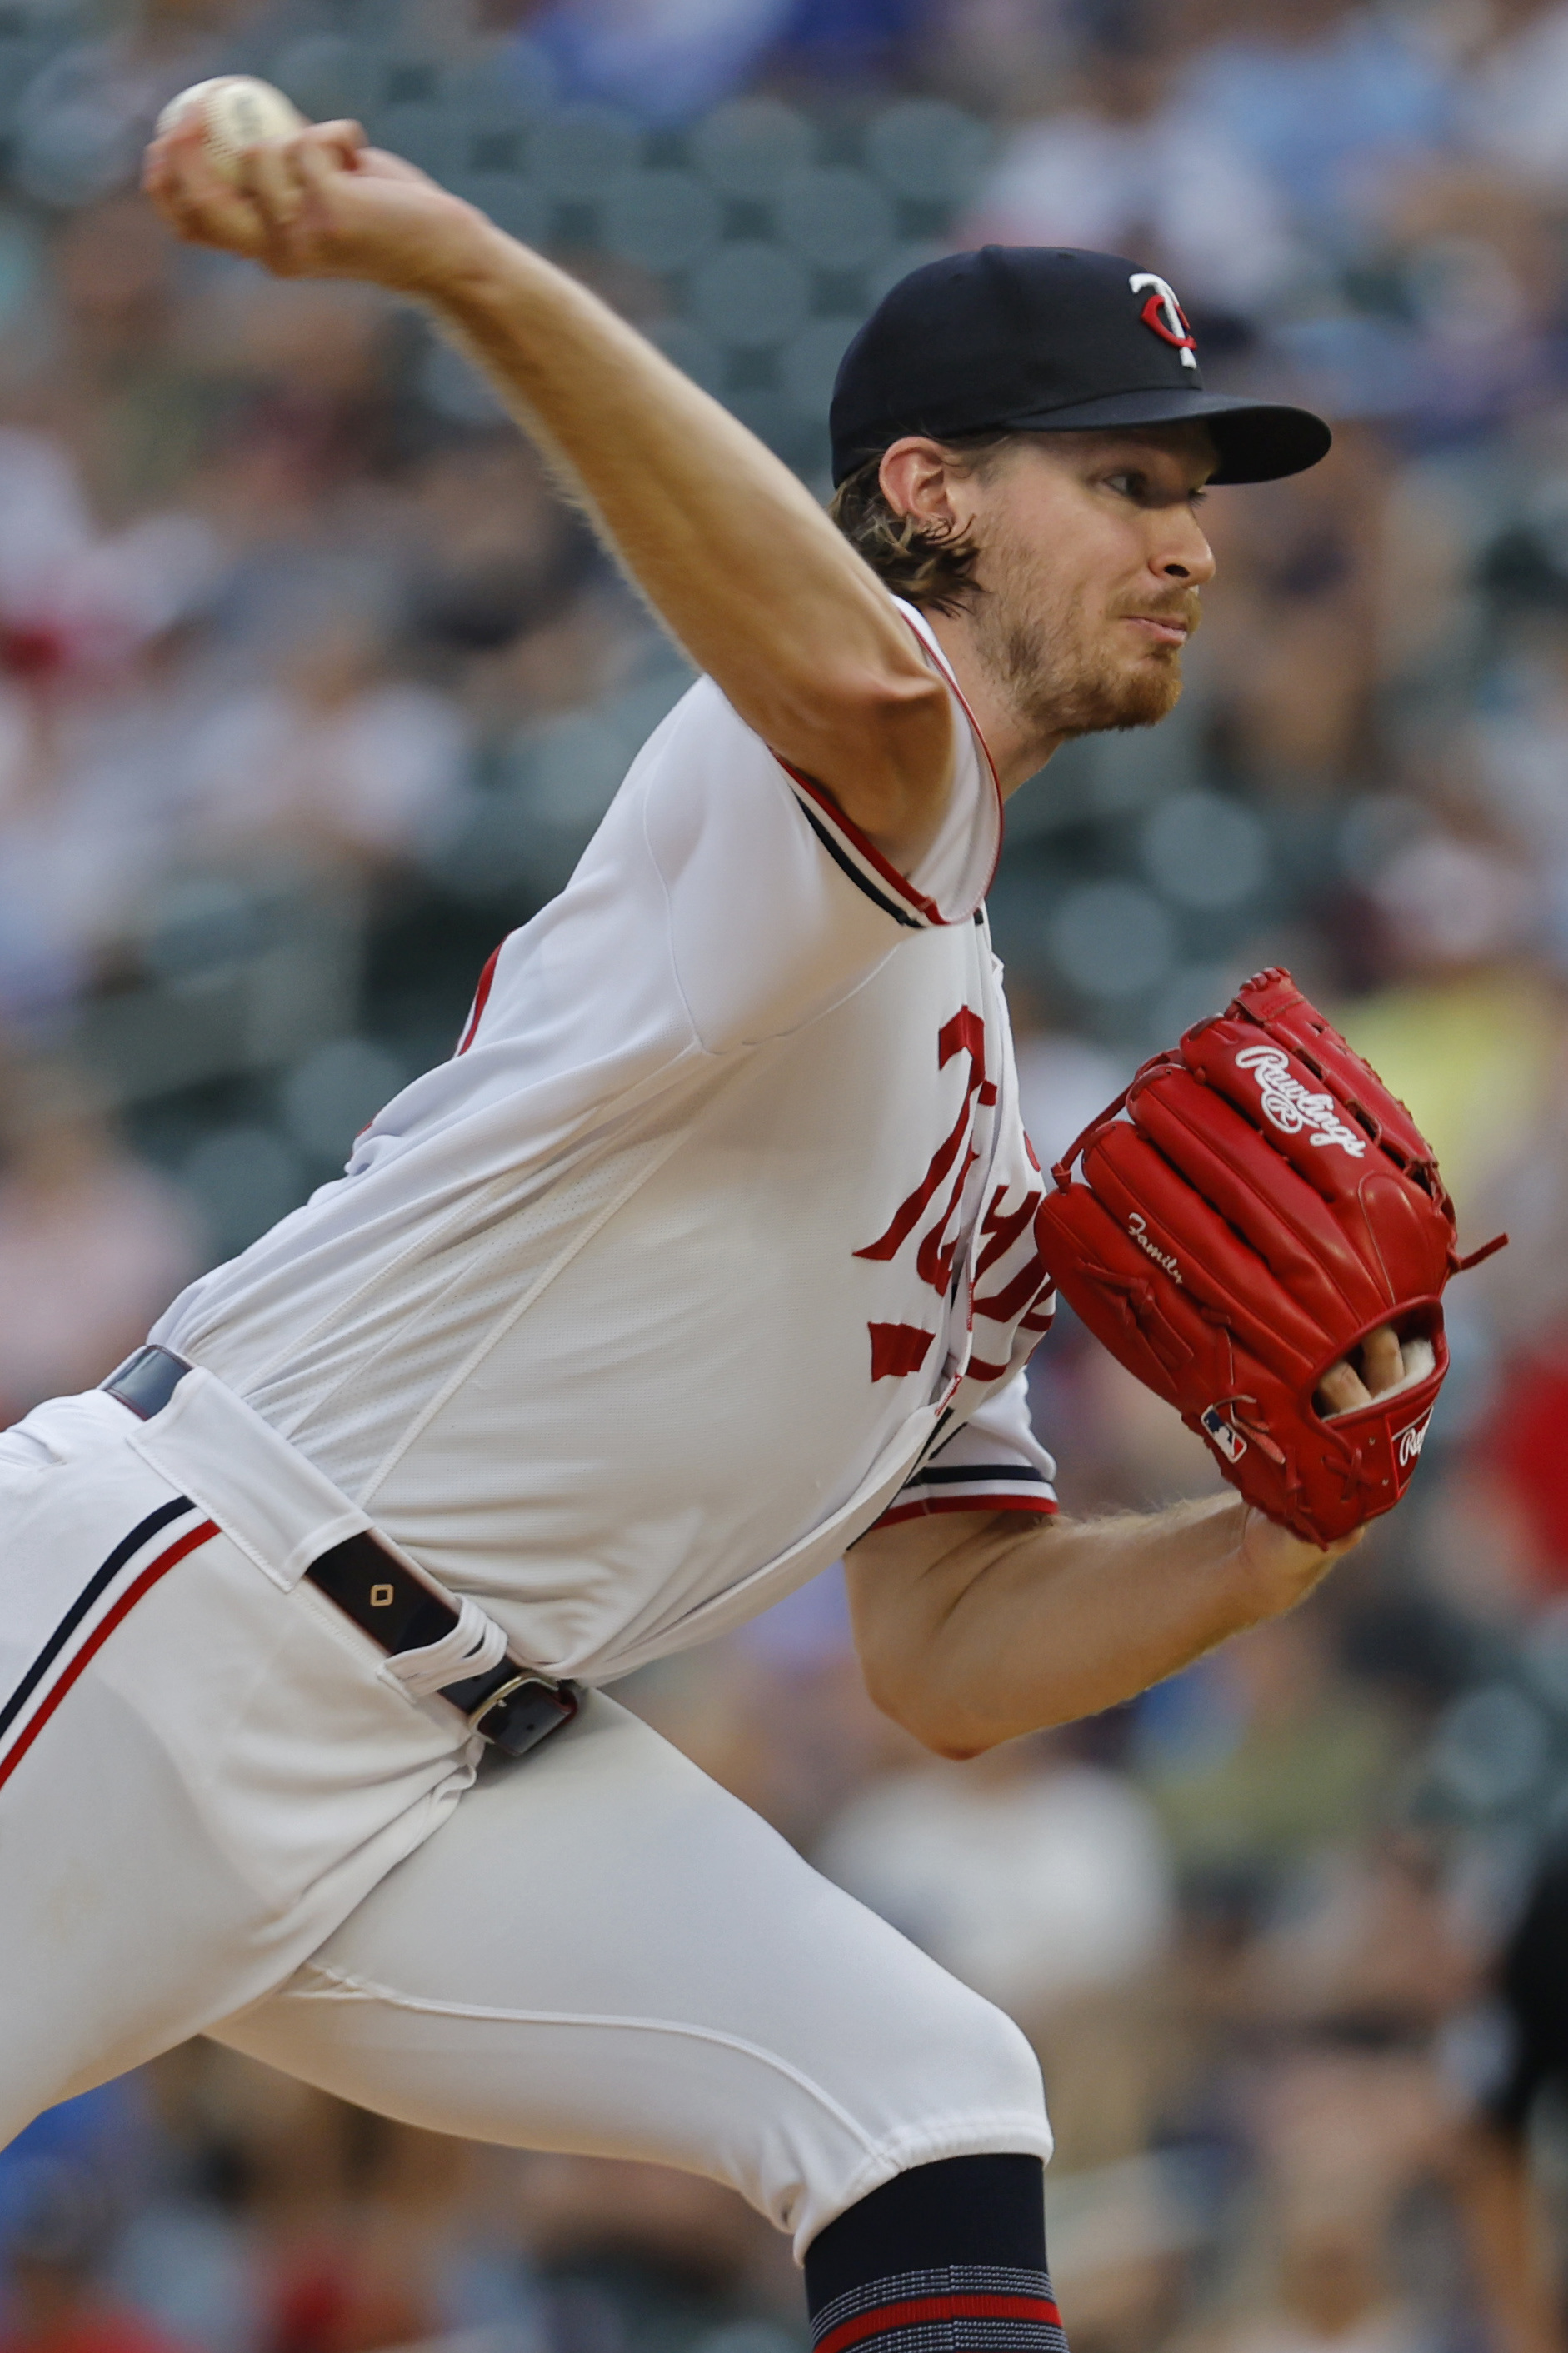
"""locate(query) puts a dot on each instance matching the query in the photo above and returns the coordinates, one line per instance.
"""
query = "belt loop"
(474, 1644)
(145, 1382)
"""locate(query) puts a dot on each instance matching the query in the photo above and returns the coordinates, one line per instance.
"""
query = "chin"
(1154, 692)
(1139, 696)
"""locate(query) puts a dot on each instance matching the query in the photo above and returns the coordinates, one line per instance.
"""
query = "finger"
(221, 218)
(270, 179)
(180, 150)
(307, 233)
(377, 164)
(341, 137)
(320, 170)
(194, 197)
(155, 168)
(163, 165)
(205, 208)
(1383, 1366)
(1342, 1389)
(292, 183)
(318, 166)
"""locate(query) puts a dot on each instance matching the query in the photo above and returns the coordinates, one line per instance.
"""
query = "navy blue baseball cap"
(1045, 339)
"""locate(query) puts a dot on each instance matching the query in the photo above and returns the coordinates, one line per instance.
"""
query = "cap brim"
(1257, 440)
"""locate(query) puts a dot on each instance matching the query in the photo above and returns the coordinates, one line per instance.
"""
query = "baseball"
(237, 112)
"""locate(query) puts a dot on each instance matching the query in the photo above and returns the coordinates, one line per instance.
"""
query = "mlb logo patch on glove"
(1255, 1216)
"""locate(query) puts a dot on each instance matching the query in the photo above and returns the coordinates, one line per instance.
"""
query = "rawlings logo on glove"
(1255, 1210)
(1292, 1106)
(1408, 1444)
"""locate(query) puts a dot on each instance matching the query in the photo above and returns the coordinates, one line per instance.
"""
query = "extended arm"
(974, 1628)
(733, 553)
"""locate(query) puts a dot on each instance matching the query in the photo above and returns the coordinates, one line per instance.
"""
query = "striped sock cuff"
(954, 2308)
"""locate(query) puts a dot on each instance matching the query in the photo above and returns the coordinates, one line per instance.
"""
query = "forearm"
(728, 546)
(1003, 1633)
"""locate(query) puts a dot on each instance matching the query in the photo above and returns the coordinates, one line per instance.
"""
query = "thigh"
(200, 1772)
(600, 1951)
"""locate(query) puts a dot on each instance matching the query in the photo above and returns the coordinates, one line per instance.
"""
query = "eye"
(1128, 485)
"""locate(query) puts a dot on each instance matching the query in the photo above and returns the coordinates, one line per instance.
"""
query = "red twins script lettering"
(965, 1034)
(1021, 1287)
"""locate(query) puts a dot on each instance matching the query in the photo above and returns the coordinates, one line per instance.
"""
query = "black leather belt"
(511, 1707)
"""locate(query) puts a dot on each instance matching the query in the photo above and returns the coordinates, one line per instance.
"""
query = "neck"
(1017, 747)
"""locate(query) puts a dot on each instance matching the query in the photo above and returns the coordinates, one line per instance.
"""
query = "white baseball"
(237, 112)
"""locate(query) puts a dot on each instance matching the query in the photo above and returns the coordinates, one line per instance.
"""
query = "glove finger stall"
(1189, 1243)
(1275, 1002)
(1319, 1252)
(1305, 1123)
(1133, 1310)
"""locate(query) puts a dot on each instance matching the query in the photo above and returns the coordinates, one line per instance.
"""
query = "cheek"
(1061, 573)
(1102, 568)
(1063, 560)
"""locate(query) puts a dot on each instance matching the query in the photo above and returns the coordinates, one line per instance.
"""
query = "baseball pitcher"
(715, 1252)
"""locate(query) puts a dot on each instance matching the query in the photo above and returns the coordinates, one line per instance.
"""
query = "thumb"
(343, 140)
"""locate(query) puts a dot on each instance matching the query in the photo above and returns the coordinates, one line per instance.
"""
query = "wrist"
(473, 273)
(1272, 1568)
(459, 268)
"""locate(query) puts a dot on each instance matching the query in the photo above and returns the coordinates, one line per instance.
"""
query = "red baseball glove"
(1250, 1210)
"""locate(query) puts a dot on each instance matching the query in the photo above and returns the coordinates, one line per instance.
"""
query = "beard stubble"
(1059, 681)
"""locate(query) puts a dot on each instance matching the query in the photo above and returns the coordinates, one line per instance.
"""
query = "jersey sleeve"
(993, 1463)
(776, 905)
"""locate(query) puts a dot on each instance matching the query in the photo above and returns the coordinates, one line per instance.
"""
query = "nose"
(1185, 556)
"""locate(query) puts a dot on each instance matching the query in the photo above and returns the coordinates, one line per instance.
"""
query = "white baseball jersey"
(713, 1242)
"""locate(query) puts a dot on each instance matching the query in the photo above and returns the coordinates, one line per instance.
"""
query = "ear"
(920, 479)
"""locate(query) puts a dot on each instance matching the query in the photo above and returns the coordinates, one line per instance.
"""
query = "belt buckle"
(519, 1729)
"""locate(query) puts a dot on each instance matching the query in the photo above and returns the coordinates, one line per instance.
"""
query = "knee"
(987, 2064)
(944, 2073)
(958, 2080)
(940, 2068)
(1006, 2051)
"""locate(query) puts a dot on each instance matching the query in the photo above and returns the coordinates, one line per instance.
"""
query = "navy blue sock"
(948, 2258)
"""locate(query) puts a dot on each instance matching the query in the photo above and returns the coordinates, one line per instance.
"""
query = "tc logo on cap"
(1164, 315)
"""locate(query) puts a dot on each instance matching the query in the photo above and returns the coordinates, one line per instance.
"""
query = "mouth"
(1161, 629)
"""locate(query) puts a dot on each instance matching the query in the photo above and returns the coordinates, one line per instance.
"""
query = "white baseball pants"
(219, 1814)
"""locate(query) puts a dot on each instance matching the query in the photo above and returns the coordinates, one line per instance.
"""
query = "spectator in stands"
(664, 63)
(93, 1242)
(53, 2252)
(1346, 2137)
(86, 116)
(86, 717)
(1031, 1877)
(1258, 1760)
(1514, 109)
(1327, 98)
(335, 759)
(1295, 644)
(1520, 2270)
(1127, 166)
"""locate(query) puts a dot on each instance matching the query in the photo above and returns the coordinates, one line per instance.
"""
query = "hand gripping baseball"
(317, 203)
(1258, 1229)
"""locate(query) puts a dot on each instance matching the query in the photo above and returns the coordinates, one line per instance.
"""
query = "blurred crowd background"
(310, 689)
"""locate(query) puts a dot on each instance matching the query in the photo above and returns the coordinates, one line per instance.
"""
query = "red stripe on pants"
(200, 1535)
